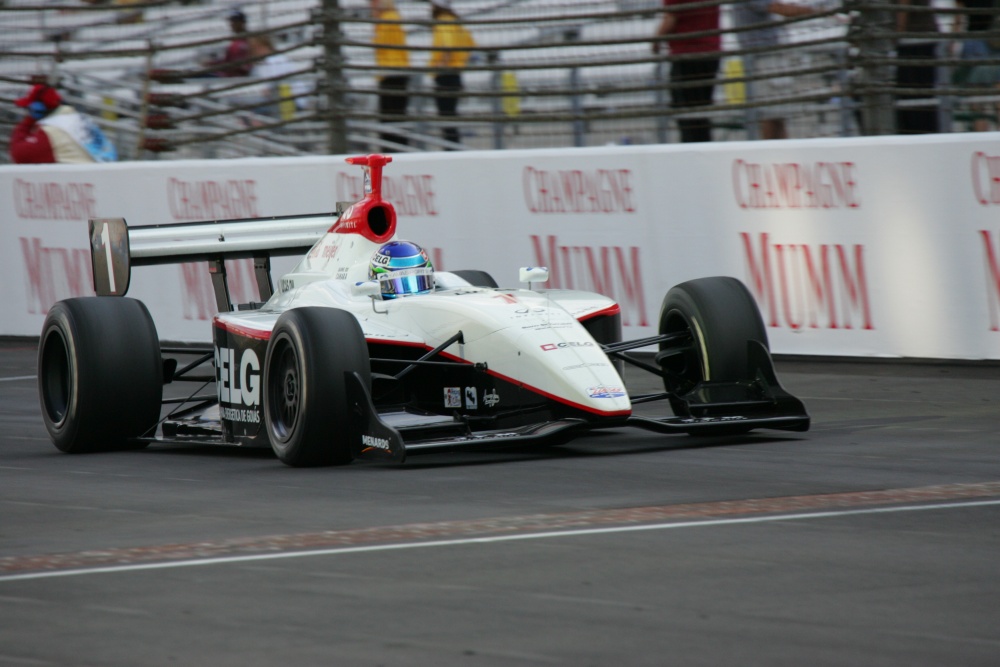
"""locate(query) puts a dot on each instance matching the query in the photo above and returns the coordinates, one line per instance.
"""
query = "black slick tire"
(720, 315)
(306, 407)
(100, 374)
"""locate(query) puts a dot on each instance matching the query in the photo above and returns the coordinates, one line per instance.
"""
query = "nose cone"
(569, 366)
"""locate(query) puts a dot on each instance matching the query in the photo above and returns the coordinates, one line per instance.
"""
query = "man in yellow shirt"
(451, 42)
(393, 97)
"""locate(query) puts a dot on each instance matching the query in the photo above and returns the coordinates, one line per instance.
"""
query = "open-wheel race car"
(365, 352)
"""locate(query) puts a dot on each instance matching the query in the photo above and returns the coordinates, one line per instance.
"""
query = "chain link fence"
(543, 73)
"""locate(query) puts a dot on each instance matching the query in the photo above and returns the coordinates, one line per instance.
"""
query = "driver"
(402, 268)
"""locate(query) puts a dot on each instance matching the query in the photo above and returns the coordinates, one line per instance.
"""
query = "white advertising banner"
(852, 247)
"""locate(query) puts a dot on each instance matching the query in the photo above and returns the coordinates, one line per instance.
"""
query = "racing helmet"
(402, 268)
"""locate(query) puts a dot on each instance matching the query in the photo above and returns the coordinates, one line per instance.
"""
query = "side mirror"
(369, 288)
(534, 274)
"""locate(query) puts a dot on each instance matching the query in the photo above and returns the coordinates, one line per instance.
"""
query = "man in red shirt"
(696, 59)
(238, 49)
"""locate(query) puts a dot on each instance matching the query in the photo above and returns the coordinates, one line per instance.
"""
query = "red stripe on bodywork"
(240, 330)
(266, 335)
(613, 309)
(540, 392)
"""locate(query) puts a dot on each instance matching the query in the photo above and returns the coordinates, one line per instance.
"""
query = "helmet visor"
(406, 281)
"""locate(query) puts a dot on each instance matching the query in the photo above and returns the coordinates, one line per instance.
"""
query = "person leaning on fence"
(771, 64)
(234, 61)
(920, 119)
(451, 42)
(55, 132)
(978, 47)
(678, 21)
(392, 86)
(269, 64)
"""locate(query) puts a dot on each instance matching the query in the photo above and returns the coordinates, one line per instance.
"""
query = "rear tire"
(306, 410)
(720, 315)
(100, 374)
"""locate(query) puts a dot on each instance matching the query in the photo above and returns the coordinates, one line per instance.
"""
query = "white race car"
(365, 352)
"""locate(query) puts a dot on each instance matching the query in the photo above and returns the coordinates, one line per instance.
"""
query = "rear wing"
(115, 248)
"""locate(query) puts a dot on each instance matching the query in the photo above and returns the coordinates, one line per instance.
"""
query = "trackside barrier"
(886, 247)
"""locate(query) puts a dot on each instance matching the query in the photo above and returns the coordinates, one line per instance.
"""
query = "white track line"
(490, 540)
(18, 378)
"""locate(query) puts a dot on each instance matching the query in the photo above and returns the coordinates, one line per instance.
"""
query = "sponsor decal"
(241, 415)
(586, 365)
(324, 251)
(615, 271)
(452, 397)
(578, 191)
(491, 398)
(545, 326)
(486, 436)
(506, 298)
(565, 345)
(986, 178)
(54, 201)
(374, 442)
(711, 420)
(238, 382)
(411, 194)
(212, 200)
(471, 399)
(603, 391)
(790, 185)
(802, 285)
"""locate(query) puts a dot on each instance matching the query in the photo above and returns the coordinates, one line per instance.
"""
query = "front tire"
(718, 316)
(306, 408)
(100, 374)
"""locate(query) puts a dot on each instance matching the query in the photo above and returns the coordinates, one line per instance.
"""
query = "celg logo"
(237, 383)
(548, 347)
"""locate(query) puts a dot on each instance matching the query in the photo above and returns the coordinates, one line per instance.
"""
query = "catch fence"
(544, 73)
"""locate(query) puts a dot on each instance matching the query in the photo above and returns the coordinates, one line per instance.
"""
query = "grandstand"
(546, 73)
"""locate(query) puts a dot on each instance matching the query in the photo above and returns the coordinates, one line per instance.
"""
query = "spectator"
(268, 64)
(451, 42)
(56, 132)
(235, 62)
(392, 96)
(975, 46)
(915, 119)
(679, 21)
(751, 12)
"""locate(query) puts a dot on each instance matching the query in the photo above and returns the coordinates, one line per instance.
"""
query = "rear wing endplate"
(115, 248)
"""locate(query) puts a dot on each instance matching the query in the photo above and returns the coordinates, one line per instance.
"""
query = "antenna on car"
(373, 171)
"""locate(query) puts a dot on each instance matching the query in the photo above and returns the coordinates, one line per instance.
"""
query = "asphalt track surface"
(871, 540)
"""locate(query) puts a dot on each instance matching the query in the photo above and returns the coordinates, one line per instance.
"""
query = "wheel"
(100, 374)
(718, 316)
(476, 278)
(305, 400)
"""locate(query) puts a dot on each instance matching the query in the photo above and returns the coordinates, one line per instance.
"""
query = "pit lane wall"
(886, 247)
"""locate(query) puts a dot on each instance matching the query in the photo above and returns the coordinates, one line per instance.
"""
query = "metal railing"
(544, 73)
